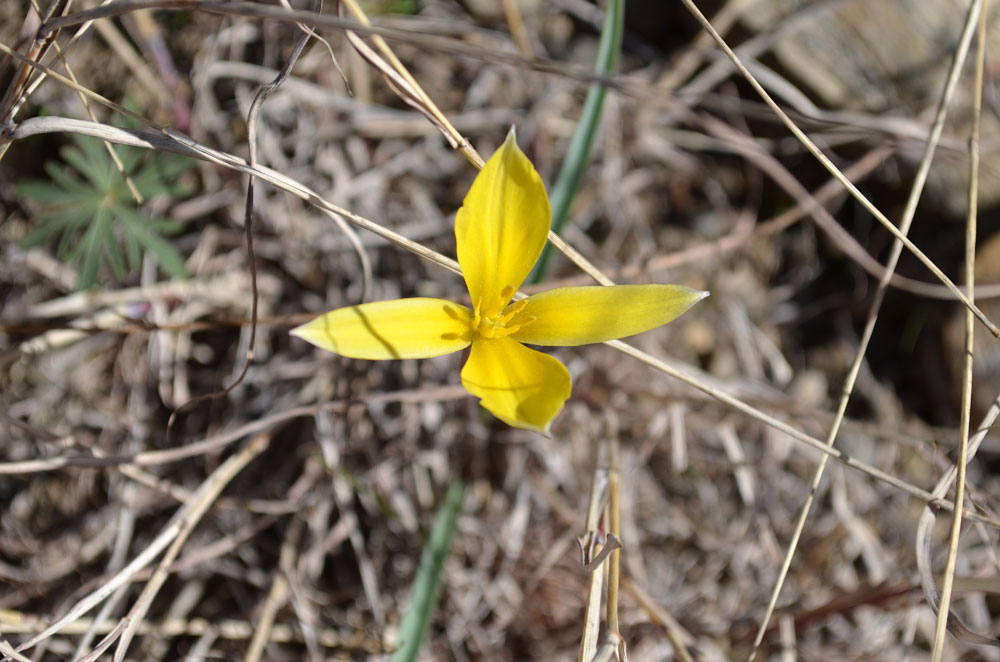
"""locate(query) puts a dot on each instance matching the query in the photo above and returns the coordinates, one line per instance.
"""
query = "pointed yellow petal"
(522, 387)
(581, 315)
(396, 329)
(501, 227)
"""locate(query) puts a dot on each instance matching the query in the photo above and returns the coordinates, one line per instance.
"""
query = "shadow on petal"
(397, 329)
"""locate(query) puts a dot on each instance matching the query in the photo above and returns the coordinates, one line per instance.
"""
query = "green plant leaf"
(53, 226)
(70, 247)
(154, 225)
(133, 249)
(131, 158)
(112, 253)
(91, 253)
(44, 192)
(95, 172)
(64, 178)
(168, 167)
(88, 206)
(166, 255)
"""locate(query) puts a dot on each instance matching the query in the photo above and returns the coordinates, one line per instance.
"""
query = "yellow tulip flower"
(500, 232)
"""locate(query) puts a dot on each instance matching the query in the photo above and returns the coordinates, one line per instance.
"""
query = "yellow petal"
(396, 329)
(581, 315)
(522, 387)
(501, 227)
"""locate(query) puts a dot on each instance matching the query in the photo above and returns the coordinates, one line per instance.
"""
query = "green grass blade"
(427, 584)
(578, 152)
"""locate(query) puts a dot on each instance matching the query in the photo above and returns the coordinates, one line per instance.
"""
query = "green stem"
(578, 152)
(427, 584)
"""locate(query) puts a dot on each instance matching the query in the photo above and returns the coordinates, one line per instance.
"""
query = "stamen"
(520, 325)
(504, 331)
(513, 309)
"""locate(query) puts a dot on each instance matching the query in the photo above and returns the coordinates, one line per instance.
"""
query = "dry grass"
(284, 518)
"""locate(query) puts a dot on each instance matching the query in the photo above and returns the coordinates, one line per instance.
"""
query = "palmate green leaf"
(88, 206)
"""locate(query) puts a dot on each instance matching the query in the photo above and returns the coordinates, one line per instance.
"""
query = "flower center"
(491, 322)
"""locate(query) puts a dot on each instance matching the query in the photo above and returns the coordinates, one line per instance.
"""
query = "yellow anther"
(492, 323)
(513, 310)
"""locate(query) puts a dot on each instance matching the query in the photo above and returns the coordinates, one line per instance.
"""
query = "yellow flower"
(500, 232)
